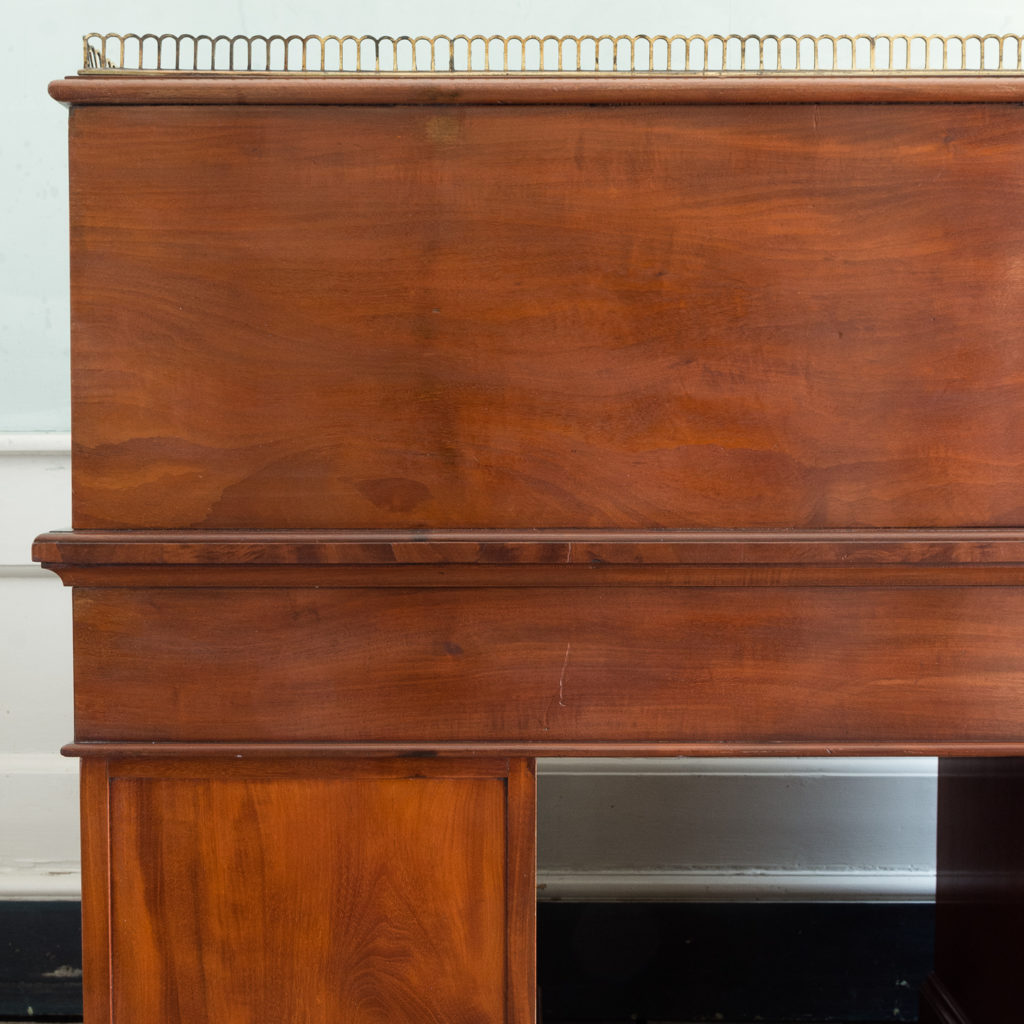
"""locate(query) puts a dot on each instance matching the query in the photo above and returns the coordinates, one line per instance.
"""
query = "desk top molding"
(540, 88)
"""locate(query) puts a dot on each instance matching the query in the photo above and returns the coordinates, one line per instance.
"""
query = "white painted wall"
(680, 821)
(38, 788)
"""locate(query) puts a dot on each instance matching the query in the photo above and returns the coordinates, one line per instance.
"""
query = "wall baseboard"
(39, 856)
(764, 886)
(744, 829)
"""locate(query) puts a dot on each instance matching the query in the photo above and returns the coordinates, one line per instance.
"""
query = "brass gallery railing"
(694, 54)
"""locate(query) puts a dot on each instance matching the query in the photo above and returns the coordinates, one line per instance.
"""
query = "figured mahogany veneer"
(264, 889)
(470, 317)
(425, 425)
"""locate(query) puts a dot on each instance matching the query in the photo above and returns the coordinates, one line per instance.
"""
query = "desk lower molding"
(920, 748)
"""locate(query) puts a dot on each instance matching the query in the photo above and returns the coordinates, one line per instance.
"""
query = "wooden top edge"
(422, 88)
(539, 547)
(609, 748)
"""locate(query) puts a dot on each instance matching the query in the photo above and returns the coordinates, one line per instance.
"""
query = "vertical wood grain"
(96, 881)
(522, 891)
(254, 898)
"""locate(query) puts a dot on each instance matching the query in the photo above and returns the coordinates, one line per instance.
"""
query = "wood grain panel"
(552, 665)
(550, 316)
(312, 899)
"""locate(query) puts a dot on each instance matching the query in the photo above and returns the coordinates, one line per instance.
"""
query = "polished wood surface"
(572, 665)
(468, 318)
(1000, 548)
(543, 89)
(264, 889)
(481, 418)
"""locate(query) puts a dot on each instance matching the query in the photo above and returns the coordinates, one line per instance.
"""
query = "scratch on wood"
(561, 678)
(568, 554)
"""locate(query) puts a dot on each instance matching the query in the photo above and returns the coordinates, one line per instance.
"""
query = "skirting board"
(745, 829)
(39, 857)
(732, 886)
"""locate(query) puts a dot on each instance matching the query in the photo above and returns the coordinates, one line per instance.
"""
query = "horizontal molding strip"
(534, 547)
(739, 886)
(592, 88)
(470, 577)
(600, 749)
(561, 558)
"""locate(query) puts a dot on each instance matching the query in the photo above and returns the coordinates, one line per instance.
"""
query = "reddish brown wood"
(603, 748)
(533, 547)
(531, 665)
(522, 891)
(588, 89)
(216, 762)
(554, 316)
(96, 925)
(500, 417)
(263, 890)
(541, 558)
(612, 576)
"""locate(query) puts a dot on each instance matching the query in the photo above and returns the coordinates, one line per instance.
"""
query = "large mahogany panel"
(547, 316)
(553, 664)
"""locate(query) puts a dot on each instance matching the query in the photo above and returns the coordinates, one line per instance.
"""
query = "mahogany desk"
(426, 425)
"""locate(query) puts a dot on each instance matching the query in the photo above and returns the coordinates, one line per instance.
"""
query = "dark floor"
(617, 963)
(672, 962)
